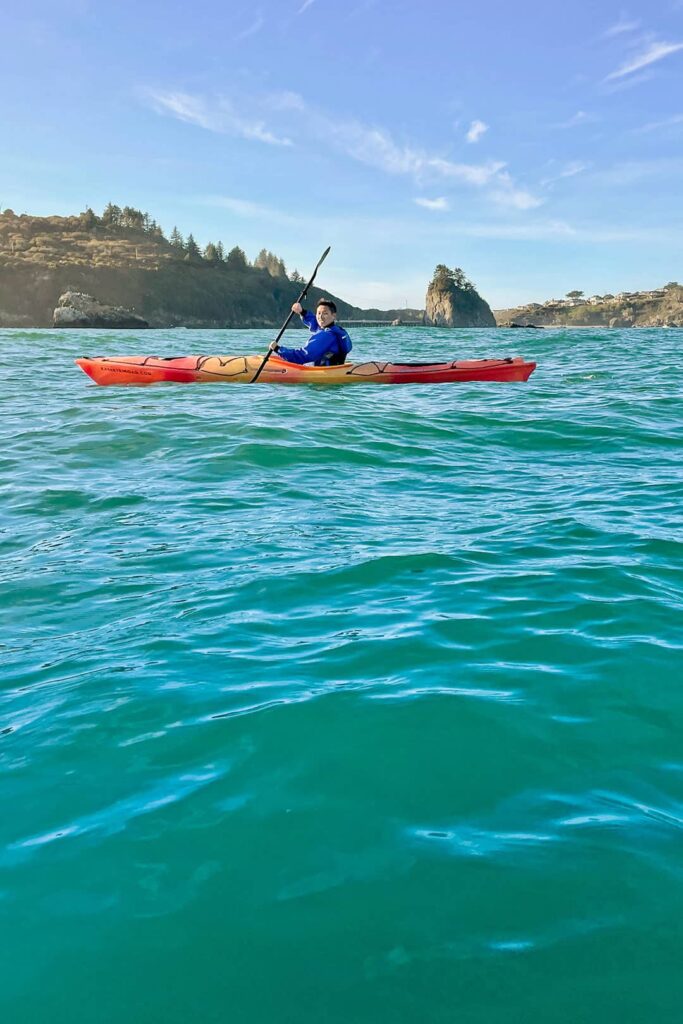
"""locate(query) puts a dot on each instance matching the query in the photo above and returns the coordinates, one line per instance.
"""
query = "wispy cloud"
(476, 130)
(247, 209)
(629, 172)
(625, 24)
(184, 107)
(629, 82)
(668, 122)
(305, 5)
(433, 204)
(370, 145)
(570, 171)
(220, 118)
(506, 193)
(655, 51)
(375, 147)
(285, 100)
(560, 231)
(252, 29)
(580, 117)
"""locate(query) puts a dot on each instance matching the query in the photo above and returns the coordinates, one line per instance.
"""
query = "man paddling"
(328, 344)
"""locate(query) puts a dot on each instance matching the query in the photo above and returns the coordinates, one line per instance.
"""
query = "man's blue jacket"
(326, 346)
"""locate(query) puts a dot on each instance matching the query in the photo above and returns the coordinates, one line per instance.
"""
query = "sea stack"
(453, 301)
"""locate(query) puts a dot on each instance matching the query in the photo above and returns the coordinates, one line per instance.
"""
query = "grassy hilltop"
(124, 259)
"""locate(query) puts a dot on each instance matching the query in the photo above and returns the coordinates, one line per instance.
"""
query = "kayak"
(241, 369)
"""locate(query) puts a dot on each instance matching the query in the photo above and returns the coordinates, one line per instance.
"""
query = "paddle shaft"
(273, 344)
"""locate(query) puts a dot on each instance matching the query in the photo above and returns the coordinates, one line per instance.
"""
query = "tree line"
(127, 218)
(443, 275)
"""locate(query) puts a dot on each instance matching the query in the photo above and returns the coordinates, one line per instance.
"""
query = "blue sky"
(537, 146)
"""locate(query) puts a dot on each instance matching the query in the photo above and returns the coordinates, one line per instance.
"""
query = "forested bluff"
(124, 259)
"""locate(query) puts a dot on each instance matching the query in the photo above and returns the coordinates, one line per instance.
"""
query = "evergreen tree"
(261, 261)
(177, 240)
(267, 260)
(88, 219)
(441, 274)
(457, 277)
(132, 218)
(191, 248)
(111, 217)
(211, 253)
(236, 259)
(296, 277)
(220, 252)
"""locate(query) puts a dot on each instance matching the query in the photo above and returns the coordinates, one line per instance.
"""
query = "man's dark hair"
(327, 302)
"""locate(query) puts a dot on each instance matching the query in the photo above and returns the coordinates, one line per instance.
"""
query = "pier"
(382, 323)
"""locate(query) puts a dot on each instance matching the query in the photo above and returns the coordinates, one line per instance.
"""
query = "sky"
(537, 146)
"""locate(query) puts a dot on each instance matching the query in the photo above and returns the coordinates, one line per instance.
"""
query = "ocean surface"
(343, 705)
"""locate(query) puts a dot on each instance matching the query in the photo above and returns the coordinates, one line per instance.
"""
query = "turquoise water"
(343, 705)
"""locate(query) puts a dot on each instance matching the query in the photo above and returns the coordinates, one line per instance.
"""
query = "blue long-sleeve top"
(326, 346)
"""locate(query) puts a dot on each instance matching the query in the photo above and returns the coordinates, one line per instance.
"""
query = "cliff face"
(662, 307)
(449, 305)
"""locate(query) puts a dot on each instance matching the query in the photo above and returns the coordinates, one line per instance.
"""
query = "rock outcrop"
(659, 307)
(453, 301)
(76, 309)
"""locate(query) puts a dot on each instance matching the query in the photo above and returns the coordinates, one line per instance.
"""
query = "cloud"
(630, 171)
(510, 195)
(434, 204)
(305, 5)
(571, 170)
(367, 144)
(468, 174)
(654, 52)
(376, 147)
(286, 100)
(221, 118)
(669, 122)
(184, 107)
(476, 130)
(580, 117)
(248, 209)
(561, 231)
(624, 24)
(255, 27)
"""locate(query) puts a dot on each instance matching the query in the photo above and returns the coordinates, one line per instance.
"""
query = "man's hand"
(297, 308)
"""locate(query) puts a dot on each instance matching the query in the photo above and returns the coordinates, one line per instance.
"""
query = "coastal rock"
(76, 309)
(657, 307)
(453, 301)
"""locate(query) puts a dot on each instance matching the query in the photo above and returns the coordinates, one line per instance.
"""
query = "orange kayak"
(241, 369)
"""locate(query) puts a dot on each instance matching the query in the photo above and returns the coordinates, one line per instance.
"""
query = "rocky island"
(75, 309)
(453, 301)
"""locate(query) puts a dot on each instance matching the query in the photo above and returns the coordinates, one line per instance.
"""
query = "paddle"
(273, 344)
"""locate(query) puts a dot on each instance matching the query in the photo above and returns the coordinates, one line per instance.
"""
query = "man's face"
(324, 316)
